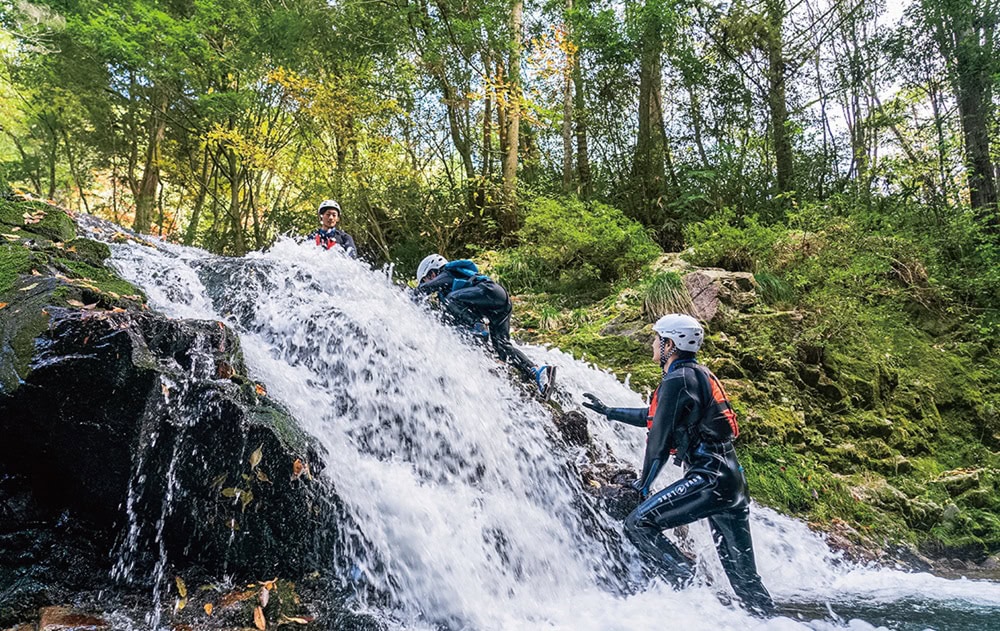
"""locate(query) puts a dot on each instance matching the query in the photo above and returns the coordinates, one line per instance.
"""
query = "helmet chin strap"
(664, 355)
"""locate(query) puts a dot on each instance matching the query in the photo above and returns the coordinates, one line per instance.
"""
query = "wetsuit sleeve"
(442, 283)
(673, 399)
(630, 416)
(349, 246)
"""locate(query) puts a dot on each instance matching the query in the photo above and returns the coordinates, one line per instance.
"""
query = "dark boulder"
(134, 445)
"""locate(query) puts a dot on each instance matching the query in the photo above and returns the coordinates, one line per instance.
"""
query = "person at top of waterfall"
(691, 419)
(328, 235)
(470, 297)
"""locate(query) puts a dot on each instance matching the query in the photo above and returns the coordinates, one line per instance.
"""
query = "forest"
(843, 152)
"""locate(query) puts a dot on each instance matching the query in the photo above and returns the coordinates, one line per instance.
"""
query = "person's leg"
(465, 306)
(731, 531)
(690, 498)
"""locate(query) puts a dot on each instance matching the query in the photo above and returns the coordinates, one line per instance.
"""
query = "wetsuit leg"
(692, 497)
(500, 334)
(731, 531)
(490, 300)
(715, 488)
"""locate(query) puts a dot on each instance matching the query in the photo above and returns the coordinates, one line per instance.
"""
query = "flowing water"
(468, 516)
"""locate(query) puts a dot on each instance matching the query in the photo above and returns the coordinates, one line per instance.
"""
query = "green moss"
(14, 261)
(101, 278)
(53, 223)
(90, 251)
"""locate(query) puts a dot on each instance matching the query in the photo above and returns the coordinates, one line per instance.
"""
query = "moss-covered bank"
(867, 401)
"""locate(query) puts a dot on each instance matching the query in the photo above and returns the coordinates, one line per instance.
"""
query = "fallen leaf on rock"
(181, 586)
(258, 618)
(208, 609)
(2, 305)
(35, 272)
(29, 287)
(298, 468)
(261, 391)
(256, 456)
(181, 604)
(265, 596)
(262, 476)
(297, 619)
(74, 303)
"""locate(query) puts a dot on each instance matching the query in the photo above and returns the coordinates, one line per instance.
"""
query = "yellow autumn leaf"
(261, 391)
(208, 609)
(181, 586)
(74, 303)
(181, 604)
(297, 468)
(256, 456)
(29, 287)
(258, 618)
(2, 305)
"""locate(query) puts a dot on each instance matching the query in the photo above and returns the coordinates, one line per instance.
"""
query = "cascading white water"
(470, 517)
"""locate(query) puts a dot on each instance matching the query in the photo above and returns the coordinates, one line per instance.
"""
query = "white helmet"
(683, 330)
(430, 263)
(330, 203)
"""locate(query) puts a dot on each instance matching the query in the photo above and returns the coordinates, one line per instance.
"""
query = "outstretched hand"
(594, 404)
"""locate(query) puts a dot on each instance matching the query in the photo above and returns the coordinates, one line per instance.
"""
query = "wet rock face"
(128, 428)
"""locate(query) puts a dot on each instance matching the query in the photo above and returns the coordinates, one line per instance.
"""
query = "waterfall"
(469, 515)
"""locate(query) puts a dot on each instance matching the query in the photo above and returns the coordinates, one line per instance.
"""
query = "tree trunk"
(567, 121)
(145, 196)
(235, 212)
(777, 104)
(192, 228)
(648, 166)
(584, 185)
(513, 105)
(964, 31)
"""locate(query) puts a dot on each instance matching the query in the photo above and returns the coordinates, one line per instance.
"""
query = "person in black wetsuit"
(328, 235)
(468, 297)
(690, 418)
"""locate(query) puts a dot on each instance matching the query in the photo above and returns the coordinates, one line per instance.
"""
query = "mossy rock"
(88, 250)
(101, 278)
(53, 222)
(15, 260)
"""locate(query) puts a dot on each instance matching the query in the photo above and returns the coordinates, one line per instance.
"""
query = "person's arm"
(349, 246)
(674, 400)
(631, 416)
(442, 282)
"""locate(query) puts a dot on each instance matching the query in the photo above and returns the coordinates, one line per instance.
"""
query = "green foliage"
(731, 243)
(664, 293)
(773, 289)
(569, 245)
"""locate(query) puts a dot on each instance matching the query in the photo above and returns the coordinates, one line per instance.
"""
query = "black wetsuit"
(692, 419)
(334, 236)
(484, 298)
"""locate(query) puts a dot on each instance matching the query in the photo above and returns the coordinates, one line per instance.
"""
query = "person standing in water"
(690, 418)
(328, 235)
(468, 297)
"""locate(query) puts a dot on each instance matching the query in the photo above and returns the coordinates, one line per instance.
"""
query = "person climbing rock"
(690, 418)
(328, 235)
(470, 297)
